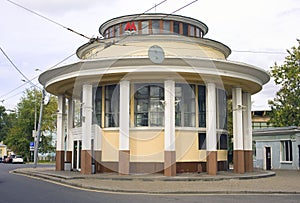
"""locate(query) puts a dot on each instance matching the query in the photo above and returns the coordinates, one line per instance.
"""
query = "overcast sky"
(34, 43)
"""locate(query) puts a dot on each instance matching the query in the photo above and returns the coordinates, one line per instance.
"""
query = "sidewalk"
(258, 182)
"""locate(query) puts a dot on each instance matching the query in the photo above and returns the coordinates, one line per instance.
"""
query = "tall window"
(192, 31)
(97, 117)
(176, 27)
(202, 141)
(197, 32)
(145, 27)
(111, 32)
(149, 109)
(117, 30)
(155, 26)
(166, 26)
(223, 142)
(202, 105)
(286, 150)
(185, 109)
(185, 27)
(112, 98)
(77, 113)
(222, 109)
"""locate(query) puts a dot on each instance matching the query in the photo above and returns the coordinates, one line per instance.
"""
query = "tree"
(20, 135)
(6, 122)
(285, 108)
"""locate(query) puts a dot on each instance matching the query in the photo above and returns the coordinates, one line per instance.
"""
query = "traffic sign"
(31, 146)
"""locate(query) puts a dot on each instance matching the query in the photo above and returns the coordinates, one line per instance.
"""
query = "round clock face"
(156, 54)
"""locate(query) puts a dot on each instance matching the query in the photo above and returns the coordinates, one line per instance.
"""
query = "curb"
(64, 180)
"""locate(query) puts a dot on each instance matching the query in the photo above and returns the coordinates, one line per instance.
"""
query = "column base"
(170, 163)
(98, 159)
(69, 156)
(248, 154)
(211, 162)
(124, 162)
(60, 159)
(86, 162)
(238, 161)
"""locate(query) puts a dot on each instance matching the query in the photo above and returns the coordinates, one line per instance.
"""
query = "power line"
(114, 30)
(30, 81)
(148, 25)
(48, 19)
(12, 63)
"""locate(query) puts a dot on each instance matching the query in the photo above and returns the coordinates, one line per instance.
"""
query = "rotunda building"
(151, 97)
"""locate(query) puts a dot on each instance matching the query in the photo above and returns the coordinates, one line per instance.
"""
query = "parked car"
(17, 160)
(0, 159)
(3, 159)
(9, 159)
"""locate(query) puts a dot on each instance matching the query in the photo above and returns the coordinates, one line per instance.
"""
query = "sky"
(258, 32)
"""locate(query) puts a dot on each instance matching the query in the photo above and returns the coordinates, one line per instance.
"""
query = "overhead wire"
(124, 37)
(69, 29)
(30, 81)
(135, 17)
(59, 24)
(48, 19)
(12, 63)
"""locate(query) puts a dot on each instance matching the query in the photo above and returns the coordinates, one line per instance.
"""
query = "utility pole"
(36, 144)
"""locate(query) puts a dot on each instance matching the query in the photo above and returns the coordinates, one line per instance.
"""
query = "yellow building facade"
(151, 97)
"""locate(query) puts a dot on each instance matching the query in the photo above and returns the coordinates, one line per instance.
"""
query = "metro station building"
(151, 97)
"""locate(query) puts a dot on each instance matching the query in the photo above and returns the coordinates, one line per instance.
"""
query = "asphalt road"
(16, 188)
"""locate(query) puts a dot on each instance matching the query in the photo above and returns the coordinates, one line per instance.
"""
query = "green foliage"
(6, 122)
(285, 108)
(19, 134)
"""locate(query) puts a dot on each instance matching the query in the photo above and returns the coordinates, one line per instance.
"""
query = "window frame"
(286, 151)
(151, 103)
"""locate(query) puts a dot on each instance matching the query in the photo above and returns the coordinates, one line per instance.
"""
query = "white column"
(211, 117)
(60, 123)
(124, 115)
(87, 106)
(237, 107)
(247, 121)
(169, 115)
(70, 124)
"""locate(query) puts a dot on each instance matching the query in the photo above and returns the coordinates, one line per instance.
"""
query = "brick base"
(69, 156)
(238, 161)
(98, 160)
(170, 163)
(124, 159)
(248, 154)
(86, 162)
(211, 162)
(60, 159)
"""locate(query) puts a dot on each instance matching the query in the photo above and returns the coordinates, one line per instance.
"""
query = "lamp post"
(36, 145)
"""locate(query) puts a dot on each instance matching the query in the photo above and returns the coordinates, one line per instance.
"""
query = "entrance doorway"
(77, 155)
(268, 158)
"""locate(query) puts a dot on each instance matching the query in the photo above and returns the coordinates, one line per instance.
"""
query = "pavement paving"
(258, 182)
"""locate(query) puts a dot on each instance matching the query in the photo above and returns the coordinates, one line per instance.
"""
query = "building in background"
(260, 119)
(151, 97)
(3, 150)
(277, 148)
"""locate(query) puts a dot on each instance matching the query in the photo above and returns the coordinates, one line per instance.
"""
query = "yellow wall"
(222, 155)
(172, 48)
(2, 151)
(187, 146)
(146, 146)
(110, 146)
